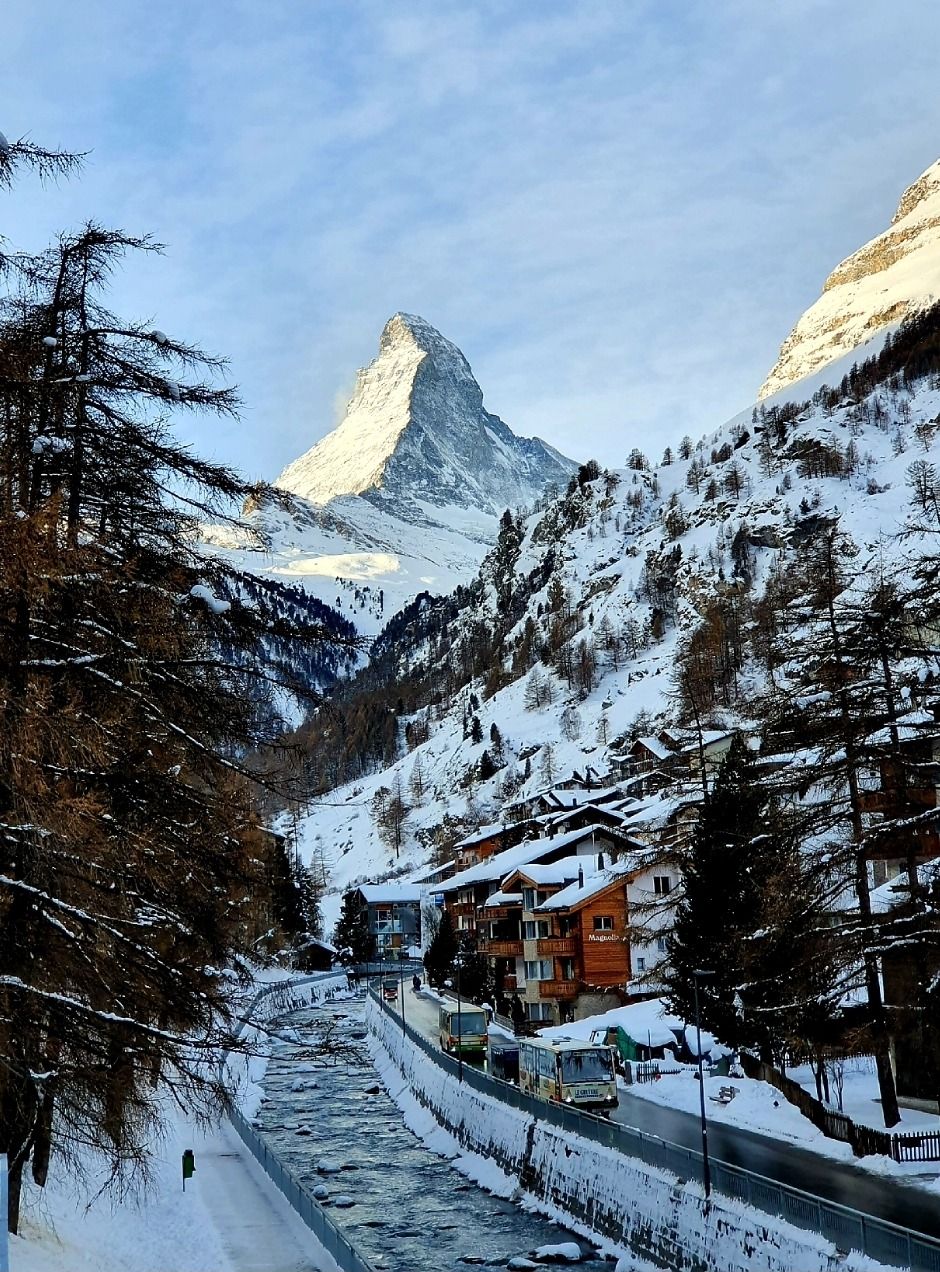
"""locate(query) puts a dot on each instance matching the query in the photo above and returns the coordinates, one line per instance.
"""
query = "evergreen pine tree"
(352, 938)
(439, 959)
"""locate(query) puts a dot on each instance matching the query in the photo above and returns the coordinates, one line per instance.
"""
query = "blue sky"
(617, 209)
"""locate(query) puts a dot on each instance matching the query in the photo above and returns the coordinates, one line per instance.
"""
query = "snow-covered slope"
(896, 274)
(608, 588)
(405, 495)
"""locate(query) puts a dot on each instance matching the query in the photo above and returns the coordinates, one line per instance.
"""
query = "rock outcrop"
(896, 274)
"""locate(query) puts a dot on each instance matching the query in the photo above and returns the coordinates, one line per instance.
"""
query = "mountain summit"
(406, 495)
(896, 274)
(415, 433)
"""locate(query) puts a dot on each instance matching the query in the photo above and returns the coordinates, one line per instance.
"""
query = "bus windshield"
(590, 1065)
(468, 1022)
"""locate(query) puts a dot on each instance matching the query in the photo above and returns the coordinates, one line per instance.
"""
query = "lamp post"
(697, 975)
(457, 962)
(401, 988)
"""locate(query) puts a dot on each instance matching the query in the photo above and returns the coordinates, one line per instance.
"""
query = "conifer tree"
(750, 914)
(352, 938)
(129, 880)
(439, 959)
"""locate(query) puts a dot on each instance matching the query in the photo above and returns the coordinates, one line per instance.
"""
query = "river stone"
(321, 1192)
(344, 1202)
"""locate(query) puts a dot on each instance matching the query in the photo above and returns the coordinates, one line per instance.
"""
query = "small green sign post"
(189, 1166)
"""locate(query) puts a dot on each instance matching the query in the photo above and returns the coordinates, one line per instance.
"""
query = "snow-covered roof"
(503, 898)
(481, 833)
(561, 871)
(896, 891)
(502, 863)
(391, 893)
(577, 893)
(655, 747)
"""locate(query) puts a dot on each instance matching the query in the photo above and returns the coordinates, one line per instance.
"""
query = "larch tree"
(127, 879)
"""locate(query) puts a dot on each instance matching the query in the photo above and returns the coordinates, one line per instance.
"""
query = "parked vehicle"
(390, 989)
(462, 1031)
(580, 1074)
(502, 1057)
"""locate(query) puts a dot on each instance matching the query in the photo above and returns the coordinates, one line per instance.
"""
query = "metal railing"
(846, 1228)
(285, 997)
(4, 1236)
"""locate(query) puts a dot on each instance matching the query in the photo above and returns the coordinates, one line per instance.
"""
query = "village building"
(394, 911)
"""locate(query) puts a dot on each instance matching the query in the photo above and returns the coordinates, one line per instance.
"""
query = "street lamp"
(401, 988)
(457, 962)
(697, 975)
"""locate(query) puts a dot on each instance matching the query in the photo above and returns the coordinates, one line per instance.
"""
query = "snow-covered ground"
(231, 1218)
(757, 1106)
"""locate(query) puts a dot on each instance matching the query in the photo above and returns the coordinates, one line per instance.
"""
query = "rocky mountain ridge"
(891, 277)
(415, 432)
(405, 495)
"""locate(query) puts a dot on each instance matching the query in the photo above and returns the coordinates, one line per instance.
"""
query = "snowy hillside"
(405, 495)
(896, 274)
(571, 638)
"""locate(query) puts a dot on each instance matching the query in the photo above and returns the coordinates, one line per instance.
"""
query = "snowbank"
(643, 1212)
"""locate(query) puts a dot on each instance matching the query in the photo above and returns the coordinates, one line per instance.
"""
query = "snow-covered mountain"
(570, 637)
(405, 495)
(894, 275)
(415, 433)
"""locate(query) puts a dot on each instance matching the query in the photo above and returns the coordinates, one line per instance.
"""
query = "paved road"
(882, 1196)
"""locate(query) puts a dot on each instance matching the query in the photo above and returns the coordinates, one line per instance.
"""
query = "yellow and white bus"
(579, 1074)
(464, 1030)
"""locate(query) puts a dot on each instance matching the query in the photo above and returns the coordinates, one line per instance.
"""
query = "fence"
(846, 1228)
(905, 1146)
(285, 997)
(4, 1235)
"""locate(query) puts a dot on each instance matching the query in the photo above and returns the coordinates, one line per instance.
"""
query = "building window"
(528, 899)
(641, 965)
(538, 969)
(662, 885)
(539, 1011)
(533, 928)
(661, 945)
(603, 922)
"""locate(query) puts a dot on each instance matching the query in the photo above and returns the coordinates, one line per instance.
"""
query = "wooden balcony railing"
(558, 988)
(463, 907)
(495, 912)
(504, 949)
(556, 945)
(509, 984)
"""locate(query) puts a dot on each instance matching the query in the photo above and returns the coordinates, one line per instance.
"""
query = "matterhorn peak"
(415, 433)
(894, 275)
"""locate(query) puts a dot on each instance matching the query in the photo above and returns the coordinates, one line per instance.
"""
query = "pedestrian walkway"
(253, 1222)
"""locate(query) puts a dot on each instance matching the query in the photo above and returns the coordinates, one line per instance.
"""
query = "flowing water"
(332, 1124)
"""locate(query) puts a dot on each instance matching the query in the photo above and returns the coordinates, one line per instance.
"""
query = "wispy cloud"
(616, 209)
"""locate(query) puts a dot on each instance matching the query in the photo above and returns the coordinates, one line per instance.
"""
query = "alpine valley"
(663, 593)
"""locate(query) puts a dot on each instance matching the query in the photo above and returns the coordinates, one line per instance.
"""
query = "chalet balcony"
(465, 908)
(558, 988)
(504, 949)
(556, 945)
(509, 984)
(495, 912)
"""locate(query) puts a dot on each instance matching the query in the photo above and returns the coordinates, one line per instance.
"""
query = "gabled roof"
(549, 872)
(391, 893)
(655, 747)
(501, 863)
(576, 895)
(482, 833)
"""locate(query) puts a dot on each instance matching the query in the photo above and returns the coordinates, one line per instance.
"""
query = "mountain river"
(405, 1208)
